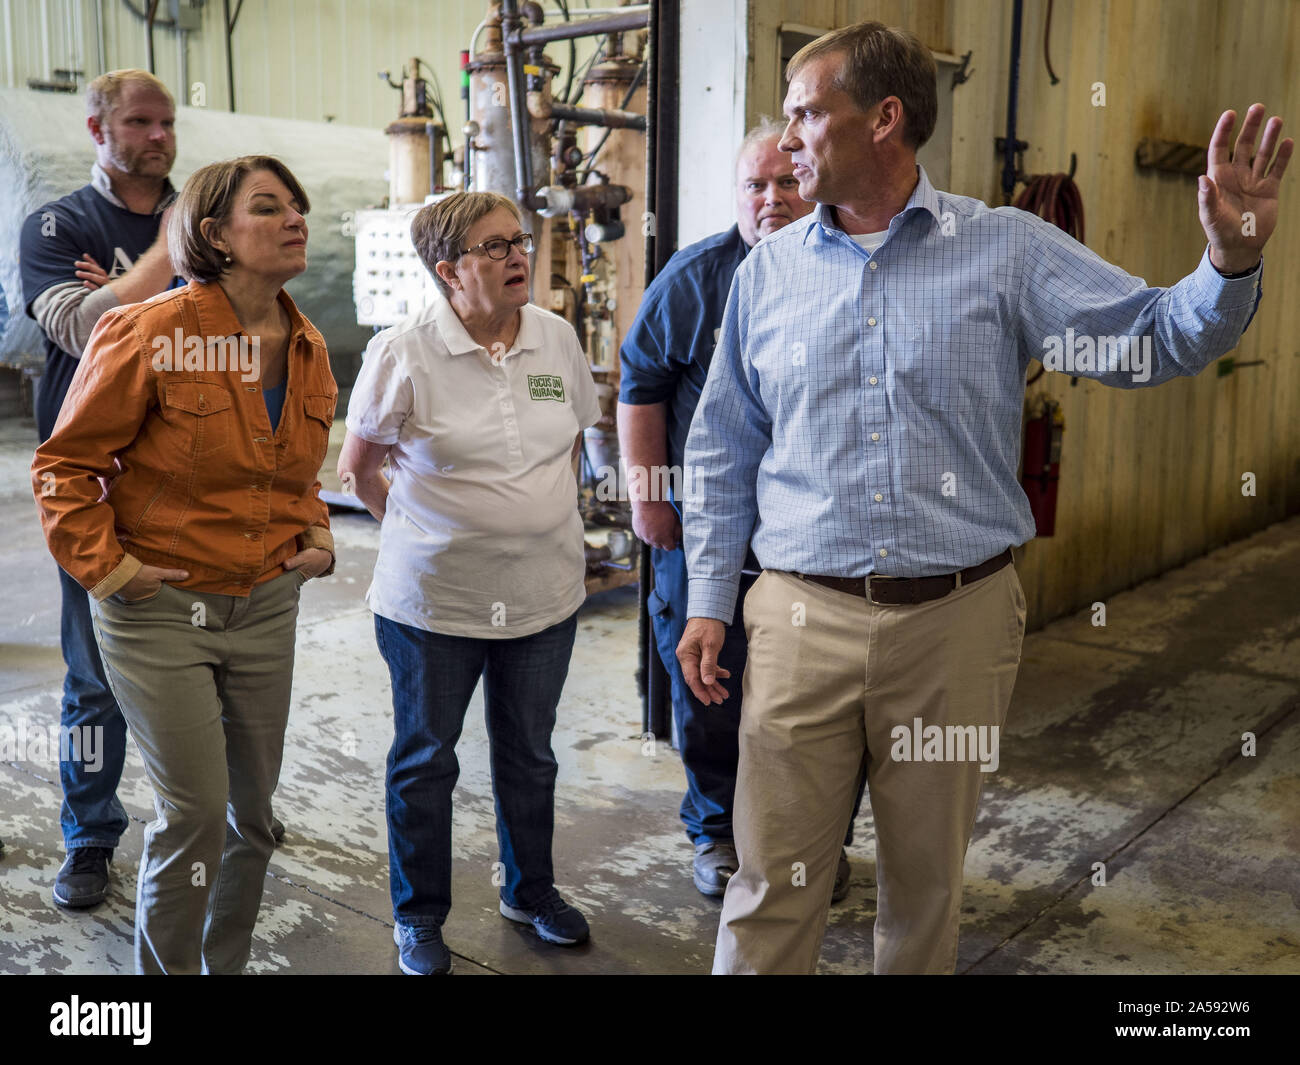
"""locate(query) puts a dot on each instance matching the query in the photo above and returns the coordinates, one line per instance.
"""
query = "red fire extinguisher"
(1042, 465)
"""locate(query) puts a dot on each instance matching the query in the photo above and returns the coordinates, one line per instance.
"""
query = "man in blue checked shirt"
(861, 426)
(665, 359)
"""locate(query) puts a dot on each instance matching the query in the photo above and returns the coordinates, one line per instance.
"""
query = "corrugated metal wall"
(309, 59)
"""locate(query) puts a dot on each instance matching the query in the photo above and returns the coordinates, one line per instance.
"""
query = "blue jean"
(91, 815)
(707, 736)
(433, 677)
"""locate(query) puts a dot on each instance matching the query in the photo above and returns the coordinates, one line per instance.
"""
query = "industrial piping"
(514, 40)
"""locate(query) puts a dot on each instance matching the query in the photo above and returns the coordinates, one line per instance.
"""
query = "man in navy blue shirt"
(96, 248)
(665, 360)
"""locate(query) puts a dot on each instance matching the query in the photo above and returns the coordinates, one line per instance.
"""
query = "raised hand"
(1237, 198)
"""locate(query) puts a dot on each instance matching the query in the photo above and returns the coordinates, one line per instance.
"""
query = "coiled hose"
(1056, 198)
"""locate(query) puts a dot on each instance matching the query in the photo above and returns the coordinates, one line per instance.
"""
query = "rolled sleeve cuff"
(644, 393)
(712, 597)
(93, 307)
(372, 435)
(1222, 293)
(119, 578)
(315, 536)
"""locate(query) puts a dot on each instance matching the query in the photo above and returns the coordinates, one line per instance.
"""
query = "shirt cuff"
(118, 579)
(1223, 293)
(371, 435)
(712, 597)
(644, 394)
(315, 536)
(90, 311)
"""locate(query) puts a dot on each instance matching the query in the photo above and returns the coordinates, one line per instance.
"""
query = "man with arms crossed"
(861, 423)
(96, 248)
(103, 246)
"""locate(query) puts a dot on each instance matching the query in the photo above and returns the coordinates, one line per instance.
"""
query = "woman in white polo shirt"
(479, 403)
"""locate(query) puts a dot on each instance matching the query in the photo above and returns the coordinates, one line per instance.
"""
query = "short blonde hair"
(765, 129)
(438, 231)
(105, 92)
(210, 193)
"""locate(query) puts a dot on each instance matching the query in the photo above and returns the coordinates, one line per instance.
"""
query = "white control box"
(389, 282)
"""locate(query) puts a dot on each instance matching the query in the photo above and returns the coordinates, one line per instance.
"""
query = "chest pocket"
(316, 427)
(321, 408)
(955, 365)
(202, 413)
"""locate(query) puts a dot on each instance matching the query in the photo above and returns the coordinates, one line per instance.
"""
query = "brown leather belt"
(903, 591)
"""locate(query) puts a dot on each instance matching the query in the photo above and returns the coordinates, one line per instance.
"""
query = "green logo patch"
(545, 386)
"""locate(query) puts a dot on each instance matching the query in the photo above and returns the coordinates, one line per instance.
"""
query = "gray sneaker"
(714, 865)
(553, 919)
(420, 951)
(83, 879)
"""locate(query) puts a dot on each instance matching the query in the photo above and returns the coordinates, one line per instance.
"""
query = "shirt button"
(871, 321)
(879, 497)
(871, 380)
(872, 264)
(875, 436)
(883, 553)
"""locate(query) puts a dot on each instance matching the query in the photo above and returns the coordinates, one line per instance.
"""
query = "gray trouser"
(203, 681)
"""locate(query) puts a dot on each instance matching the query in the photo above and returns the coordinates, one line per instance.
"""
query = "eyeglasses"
(498, 248)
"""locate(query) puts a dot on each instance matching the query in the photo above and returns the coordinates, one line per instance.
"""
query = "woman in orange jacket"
(180, 489)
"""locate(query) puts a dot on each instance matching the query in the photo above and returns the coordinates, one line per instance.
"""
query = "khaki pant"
(204, 682)
(834, 681)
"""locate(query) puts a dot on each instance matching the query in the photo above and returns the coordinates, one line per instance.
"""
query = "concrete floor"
(1123, 746)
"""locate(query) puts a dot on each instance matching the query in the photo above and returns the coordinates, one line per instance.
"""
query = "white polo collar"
(459, 342)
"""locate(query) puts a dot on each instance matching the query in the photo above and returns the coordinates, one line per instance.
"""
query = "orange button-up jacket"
(195, 478)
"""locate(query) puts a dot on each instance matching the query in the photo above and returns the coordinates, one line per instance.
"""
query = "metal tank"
(489, 136)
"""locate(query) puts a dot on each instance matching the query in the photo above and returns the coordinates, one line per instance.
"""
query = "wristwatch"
(1238, 276)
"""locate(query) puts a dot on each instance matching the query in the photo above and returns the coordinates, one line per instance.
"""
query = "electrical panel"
(389, 282)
